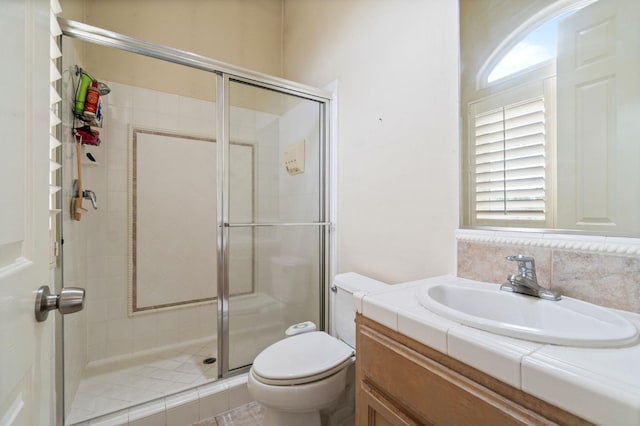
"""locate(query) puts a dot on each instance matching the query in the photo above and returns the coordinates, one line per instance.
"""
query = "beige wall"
(247, 33)
(396, 65)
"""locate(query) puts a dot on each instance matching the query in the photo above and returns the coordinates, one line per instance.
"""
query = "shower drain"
(209, 360)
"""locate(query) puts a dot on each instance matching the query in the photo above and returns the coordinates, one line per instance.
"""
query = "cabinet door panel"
(378, 411)
(430, 391)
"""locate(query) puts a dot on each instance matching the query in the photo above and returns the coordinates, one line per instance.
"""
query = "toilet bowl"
(296, 378)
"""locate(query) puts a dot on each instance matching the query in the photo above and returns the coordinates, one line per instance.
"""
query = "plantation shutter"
(54, 143)
(510, 163)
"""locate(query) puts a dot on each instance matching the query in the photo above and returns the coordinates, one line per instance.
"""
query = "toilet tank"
(290, 281)
(342, 310)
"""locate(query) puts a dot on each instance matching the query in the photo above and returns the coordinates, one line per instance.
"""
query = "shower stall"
(203, 224)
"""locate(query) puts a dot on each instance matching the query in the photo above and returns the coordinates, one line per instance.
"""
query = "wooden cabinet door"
(399, 384)
(376, 410)
(402, 382)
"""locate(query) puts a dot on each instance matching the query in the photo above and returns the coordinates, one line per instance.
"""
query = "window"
(510, 162)
(538, 47)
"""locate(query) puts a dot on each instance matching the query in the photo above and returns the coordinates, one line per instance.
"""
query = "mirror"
(550, 106)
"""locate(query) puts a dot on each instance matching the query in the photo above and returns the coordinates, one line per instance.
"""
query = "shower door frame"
(224, 224)
(224, 74)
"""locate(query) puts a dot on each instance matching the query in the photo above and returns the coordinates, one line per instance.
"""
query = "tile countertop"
(599, 385)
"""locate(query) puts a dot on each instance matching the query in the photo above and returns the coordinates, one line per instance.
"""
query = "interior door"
(26, 354)
(598, 65)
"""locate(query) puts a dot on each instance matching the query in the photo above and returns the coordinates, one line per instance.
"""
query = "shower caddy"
(87, 122)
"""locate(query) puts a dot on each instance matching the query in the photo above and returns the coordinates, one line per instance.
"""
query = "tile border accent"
(132, 213)
(582, 243)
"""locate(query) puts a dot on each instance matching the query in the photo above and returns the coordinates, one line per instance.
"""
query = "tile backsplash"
(600, 270)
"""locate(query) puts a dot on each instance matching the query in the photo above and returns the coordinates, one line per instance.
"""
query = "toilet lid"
(302, 356)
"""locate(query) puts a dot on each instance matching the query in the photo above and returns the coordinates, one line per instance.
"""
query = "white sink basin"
(568, 322)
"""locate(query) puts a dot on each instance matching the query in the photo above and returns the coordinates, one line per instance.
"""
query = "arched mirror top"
(532, 44)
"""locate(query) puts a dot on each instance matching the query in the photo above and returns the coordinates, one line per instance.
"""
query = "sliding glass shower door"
(213, 206)
(274, 217)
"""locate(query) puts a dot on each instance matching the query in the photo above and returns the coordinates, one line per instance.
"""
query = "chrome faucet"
(526, 281)
(90, 195)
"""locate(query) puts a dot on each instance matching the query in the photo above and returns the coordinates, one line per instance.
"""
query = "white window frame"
(543, 88)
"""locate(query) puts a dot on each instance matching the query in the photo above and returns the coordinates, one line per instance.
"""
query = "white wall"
(396, 63)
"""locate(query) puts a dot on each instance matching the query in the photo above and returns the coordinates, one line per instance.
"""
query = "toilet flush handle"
(303, 327)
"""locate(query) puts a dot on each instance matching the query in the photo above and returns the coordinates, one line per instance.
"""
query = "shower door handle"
(70, 300)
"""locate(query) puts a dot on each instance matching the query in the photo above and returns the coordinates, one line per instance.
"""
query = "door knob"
(70, 300)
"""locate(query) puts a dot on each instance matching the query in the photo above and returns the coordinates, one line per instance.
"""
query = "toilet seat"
(303, 358)
(302, 380)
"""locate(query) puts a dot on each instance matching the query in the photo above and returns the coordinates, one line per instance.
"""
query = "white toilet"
(297, 377)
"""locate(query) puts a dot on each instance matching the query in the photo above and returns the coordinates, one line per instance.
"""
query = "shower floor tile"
(111, 387)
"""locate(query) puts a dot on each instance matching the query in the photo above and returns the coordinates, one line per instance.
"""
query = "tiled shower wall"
(600, 270)
(110, 330)
(107, 331)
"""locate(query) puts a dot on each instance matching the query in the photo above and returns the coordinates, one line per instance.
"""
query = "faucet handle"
(520, 258)
(526, 265)
(90, 195)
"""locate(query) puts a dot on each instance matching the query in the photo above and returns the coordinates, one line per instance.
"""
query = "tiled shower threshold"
(214, 403)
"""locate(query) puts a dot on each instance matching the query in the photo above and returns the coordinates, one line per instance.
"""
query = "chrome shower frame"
(224, 74)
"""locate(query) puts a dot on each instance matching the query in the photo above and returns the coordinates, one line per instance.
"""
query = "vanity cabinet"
(402, 382)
